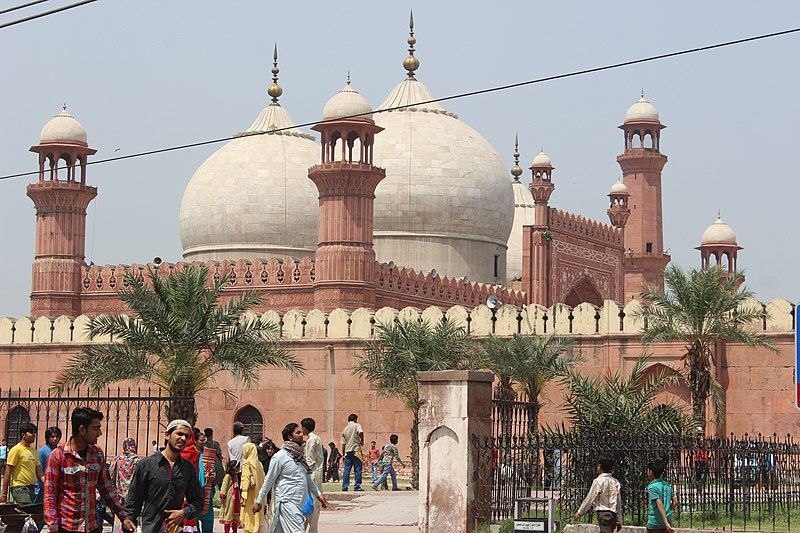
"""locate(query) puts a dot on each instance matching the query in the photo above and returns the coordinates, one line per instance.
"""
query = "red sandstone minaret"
(346, 180)
(536, 238)
(718, 247)
(61, 198)
(642, 164)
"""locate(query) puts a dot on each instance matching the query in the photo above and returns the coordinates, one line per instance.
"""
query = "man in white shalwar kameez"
(290, 476)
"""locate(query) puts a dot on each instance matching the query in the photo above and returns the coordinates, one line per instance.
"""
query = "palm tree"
(623, 404)
(391, 360)
(530, 362)
(702, 308)
(181, 337)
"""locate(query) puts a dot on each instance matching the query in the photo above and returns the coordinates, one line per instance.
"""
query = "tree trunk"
(415, 452)
(699, 363)
(182, 408)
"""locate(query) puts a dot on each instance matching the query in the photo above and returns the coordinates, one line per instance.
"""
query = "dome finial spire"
(275, 90)
(516, 170)
(348, 76)
(411, 63)
(642, 93)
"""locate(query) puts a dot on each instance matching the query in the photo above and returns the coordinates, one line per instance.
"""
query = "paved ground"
(371, 512)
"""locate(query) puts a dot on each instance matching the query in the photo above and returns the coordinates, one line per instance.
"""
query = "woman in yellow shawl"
(252, 479)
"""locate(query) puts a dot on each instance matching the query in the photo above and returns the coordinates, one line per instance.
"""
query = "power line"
(29, 4)
(443, 99)
(44, 13)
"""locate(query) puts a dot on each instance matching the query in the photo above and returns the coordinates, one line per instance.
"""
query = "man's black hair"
(82, 417)
(209, 433)
(332, 444)
(52, 432)
(352, 418)
(27, 427)
(238, 428)
(657, 467)
(308, 424)
(288, 430)
(606, 464)
(393, 438)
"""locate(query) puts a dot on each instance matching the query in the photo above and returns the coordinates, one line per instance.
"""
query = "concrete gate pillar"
(455, 405)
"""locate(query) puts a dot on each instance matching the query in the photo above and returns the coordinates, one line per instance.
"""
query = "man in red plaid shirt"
(74, 472)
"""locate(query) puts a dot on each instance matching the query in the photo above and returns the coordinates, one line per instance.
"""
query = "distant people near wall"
(208, 463)
(389, 455)
(236, 444)
(252, 478)
(260, 441)
(22, 468)
(315, 459)
(334, 462)
(352, 439)
(230, 496)
(373, 454)
(154, 447)
(3, 456)
(214, 446)
(122, 468)
(52, 436)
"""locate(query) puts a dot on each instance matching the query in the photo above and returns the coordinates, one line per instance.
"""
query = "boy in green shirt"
(660, 499)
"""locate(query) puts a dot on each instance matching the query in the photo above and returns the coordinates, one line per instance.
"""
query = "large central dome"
(446, 202)
(252, 198)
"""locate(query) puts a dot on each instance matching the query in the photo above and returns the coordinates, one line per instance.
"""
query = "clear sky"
(146, 74)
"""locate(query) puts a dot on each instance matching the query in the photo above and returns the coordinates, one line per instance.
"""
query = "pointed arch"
(252, 420)
(15, 418)
(584, 290)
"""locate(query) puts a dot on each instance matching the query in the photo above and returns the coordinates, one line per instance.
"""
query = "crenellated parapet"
(585, 228)
(585, 320)
(407, 285)
(242, 273)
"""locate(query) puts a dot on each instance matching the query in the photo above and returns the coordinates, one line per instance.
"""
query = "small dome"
(642, 110)
(718, 233)
(619, 188)
(542, 160)
(345, 103)
(63, 128)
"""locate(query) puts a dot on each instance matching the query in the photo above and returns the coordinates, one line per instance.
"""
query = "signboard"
(530, 524)
(796, 357)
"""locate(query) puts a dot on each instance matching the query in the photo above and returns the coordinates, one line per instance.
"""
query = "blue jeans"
(388, 470)
(374, 471)
(352, 462)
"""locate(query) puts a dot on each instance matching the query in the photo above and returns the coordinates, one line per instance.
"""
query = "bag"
(359, 454)
(308, 506)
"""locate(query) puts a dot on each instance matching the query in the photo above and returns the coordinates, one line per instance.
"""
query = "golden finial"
(516, 170)
(275, 90)
(411, 63)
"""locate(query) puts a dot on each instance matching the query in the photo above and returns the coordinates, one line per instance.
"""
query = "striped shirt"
(69, 489)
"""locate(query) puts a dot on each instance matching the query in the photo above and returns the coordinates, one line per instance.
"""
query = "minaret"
(536, 238)
(346, 180)
(718, 247)
(641, 165)
(61, 198)
(618, 211)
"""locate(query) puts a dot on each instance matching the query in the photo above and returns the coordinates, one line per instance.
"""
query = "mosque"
(403, 206)
(433, 220)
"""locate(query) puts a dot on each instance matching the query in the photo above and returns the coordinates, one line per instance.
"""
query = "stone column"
(455, 406)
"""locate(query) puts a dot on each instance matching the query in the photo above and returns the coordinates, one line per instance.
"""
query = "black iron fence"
(736, 483)
(137, 413)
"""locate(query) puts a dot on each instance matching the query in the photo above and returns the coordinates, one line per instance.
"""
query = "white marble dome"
(542, 160)
(642, 110)
(718, 233)
(619, 188)
(345, 103)
(252, 198)
(446, 202)
(524, 215)
(63, 128)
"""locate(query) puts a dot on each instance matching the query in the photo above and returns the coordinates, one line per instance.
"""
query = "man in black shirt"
(161, 482)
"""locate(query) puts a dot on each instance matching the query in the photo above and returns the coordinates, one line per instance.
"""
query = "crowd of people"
(173, 488)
